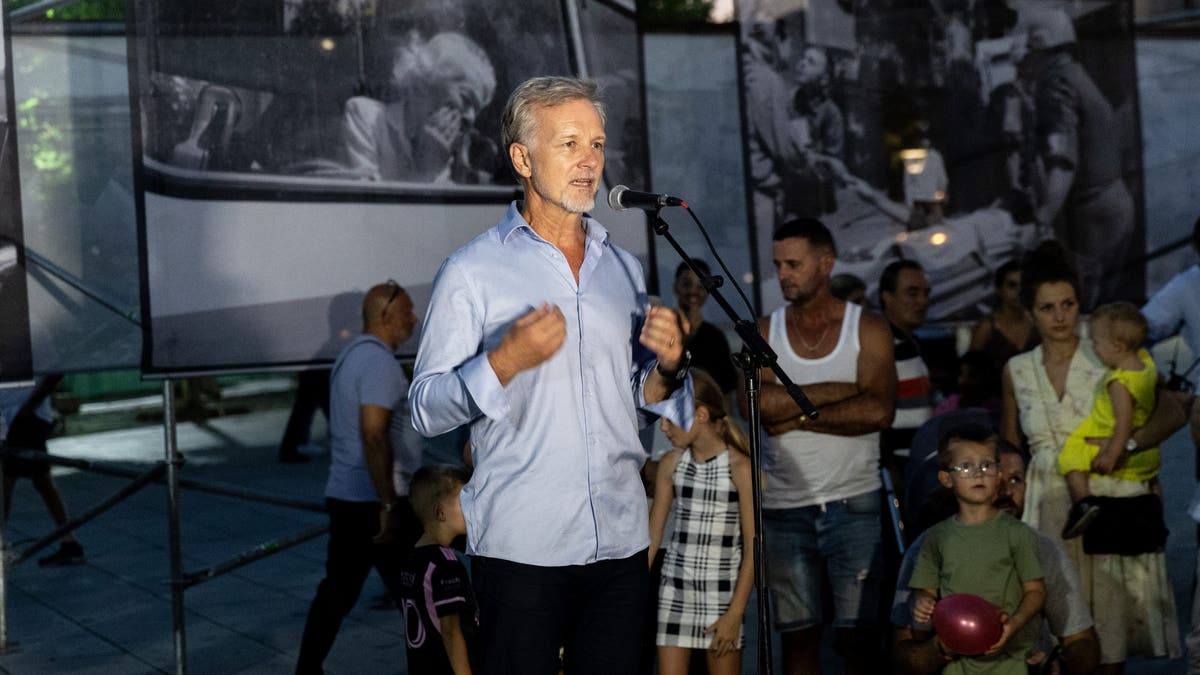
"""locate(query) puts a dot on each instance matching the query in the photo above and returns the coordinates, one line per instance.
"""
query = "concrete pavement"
(113, 614)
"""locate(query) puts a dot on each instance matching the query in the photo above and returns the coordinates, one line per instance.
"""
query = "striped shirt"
(914, 394)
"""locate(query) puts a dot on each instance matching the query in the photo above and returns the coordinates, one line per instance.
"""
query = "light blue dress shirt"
(1175, 308)
(557, 454)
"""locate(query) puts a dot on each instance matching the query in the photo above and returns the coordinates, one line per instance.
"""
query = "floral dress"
(1131, 598)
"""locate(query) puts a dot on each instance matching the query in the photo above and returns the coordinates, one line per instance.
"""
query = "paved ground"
(113, 614)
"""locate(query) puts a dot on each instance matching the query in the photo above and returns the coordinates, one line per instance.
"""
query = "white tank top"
(804, 467)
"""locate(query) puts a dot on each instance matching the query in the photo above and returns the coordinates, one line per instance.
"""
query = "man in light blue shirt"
(1175, 308)
(371, 523)
(539, 336)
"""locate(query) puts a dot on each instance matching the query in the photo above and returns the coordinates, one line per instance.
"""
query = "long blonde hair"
(708, 393)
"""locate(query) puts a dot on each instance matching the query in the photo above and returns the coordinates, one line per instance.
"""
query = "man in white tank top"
(821, 500)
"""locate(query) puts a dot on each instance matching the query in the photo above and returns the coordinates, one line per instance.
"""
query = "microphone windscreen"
(614, 198)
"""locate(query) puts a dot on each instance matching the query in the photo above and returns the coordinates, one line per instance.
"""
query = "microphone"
(621, 198)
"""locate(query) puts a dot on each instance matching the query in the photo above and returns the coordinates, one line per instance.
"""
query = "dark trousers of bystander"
(594, 612)
(312, 393)
(351, 555)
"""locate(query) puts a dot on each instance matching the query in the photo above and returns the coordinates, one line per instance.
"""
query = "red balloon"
(967, 624)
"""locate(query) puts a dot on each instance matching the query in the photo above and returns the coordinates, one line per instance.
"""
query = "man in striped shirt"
(904, 299)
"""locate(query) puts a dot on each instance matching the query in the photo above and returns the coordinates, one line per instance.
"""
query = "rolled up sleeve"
(679, 407)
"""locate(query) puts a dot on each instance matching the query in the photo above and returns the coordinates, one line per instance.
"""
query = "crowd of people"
(1031, 482)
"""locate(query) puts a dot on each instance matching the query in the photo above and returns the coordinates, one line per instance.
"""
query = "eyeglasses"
(971, 469)
(395, 291)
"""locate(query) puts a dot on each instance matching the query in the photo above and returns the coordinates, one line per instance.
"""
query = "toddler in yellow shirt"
(1124, 400)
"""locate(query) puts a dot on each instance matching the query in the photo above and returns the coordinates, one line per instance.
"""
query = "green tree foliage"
(84, 10)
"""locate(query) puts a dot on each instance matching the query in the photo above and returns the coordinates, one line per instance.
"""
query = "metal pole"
(250, 495)
(202, 486)
(5, 647)
(81, 464)
(174, 461)
(753, 375)
(257, 553)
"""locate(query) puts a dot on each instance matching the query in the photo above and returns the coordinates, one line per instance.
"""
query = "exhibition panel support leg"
(5, 646)
(174, 463)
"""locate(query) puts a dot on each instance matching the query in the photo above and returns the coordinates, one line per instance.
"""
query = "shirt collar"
(513, 221)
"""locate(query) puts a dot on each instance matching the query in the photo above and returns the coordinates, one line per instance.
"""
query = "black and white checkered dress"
(701, 565)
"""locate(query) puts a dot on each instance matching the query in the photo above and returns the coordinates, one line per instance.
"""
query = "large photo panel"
(295, 152)
(16, 357)
(957, 134)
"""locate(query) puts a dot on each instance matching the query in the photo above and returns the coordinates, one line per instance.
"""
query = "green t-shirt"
(991, 560)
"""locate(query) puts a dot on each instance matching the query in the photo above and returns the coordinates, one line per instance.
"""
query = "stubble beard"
(565, 200)
(798, 296)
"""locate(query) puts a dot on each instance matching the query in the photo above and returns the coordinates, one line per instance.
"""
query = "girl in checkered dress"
(707, 572)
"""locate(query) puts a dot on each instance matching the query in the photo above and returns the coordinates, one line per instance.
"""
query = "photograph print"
(388, 92)
(296, 151)
(957, 133)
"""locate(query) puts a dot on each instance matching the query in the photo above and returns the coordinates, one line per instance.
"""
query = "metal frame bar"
(6, 647)
(189, 483)
(174, 462)
(245, 558)
(71, 525)
(36, 9)
(1168, 18)
(112, 305)
(166, 471)
(250, 495)
(28, 455)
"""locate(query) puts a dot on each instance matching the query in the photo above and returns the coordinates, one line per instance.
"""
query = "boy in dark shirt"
(440, 614)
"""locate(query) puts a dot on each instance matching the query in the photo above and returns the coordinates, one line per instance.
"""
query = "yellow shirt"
(1077, 454)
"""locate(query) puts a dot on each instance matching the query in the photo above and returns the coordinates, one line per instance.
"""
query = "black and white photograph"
(612, 49)
(15, 350)
(957, 133)
(355, 90)
(294, 151)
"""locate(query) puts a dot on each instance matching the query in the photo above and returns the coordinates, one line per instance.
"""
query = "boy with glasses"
(982, 551)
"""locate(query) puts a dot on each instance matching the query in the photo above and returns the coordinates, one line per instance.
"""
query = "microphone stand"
(755, 355)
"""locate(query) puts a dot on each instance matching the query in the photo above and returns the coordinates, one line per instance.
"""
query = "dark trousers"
(312, 392)
(27, 432)
(595, 613)
(351, 555)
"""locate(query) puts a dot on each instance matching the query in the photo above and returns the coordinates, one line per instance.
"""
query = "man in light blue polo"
(371, 523)
(539, 337)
